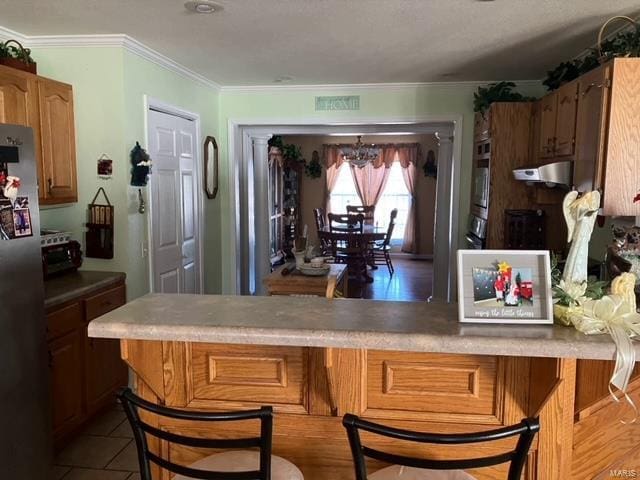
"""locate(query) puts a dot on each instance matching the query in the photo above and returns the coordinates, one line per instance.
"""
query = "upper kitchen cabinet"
(58, 159)
(47, 107)
(618, 171)
(558, 122)
(591, 128)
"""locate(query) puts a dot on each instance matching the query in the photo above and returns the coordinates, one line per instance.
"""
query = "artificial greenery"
(624, 44)
(496, 92)
(594, 290)
(14, 51)
(293, 154)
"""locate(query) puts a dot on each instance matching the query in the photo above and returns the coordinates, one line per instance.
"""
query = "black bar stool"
(411, 468)
(246, 464)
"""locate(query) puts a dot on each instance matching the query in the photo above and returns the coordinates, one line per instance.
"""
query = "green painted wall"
(299, 105)
(109, 89)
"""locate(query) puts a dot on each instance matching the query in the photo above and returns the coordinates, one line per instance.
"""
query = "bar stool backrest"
(133, 404)
(525, 430)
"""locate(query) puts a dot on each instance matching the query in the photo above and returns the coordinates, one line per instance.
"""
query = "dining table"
(364, 238)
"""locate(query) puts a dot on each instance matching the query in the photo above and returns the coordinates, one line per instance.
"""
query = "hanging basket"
(602, 58)
(23, 62)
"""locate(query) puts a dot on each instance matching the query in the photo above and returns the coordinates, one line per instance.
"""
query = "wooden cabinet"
(47, 107)
(84, 373)
(592, 108)
(548, 116)
(65, 379)
(565, 137)
(58, 154)
(558, 122)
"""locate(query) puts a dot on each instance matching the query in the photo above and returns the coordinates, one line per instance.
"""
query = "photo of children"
(503, 285)
(22, 218)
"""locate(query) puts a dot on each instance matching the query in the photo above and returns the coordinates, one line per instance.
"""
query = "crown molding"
(363, 87)
(108, 40)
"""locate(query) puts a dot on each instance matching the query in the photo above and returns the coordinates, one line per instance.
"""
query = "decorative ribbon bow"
(614, 315)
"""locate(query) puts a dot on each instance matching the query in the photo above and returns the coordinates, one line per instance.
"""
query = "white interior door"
(174, 211)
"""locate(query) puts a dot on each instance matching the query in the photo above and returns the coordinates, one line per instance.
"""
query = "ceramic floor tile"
(127, 459)
(134, 476)
(90, 474)
(91, 451)
(107, 422)
(123, 430)
(57, 472)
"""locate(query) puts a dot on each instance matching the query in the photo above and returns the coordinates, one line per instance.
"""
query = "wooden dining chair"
(367, 210)
(380, 252)
(415, 468)
(257, 464)
(348, 249)
(318, 216)
(346, 223)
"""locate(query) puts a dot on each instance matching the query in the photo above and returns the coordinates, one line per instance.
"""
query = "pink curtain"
(370, 182)
(333, 160)
(408, 157)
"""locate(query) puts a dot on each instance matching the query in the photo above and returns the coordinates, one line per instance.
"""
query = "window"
(395, 195)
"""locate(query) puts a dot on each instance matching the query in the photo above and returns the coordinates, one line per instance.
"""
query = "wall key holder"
(99, 233)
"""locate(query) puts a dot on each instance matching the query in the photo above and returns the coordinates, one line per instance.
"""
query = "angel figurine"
(580, 215)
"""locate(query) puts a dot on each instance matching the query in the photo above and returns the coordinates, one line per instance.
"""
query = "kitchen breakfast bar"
(404, 364)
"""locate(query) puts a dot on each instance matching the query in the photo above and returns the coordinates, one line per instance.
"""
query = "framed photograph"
(504, 286)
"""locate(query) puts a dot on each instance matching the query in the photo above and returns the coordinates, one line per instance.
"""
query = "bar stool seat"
(398, 472)
(245, 460)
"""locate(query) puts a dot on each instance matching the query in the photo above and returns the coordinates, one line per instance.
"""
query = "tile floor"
(104, 451)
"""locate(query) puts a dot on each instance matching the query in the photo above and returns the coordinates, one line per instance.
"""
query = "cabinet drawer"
(64, 320)
(105, 302)
(254, 374)
(439, 385)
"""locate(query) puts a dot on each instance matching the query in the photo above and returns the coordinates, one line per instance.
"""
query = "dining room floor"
(105, 450)
(411, 282)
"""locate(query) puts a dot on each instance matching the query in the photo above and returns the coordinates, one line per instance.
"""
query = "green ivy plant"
(624, 44)
(13, 51)
(293, 153)
(496, 92)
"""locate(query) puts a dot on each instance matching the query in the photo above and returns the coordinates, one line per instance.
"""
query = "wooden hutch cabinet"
(47, 107)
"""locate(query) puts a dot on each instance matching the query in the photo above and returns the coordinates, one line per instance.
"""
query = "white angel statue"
(580, 215)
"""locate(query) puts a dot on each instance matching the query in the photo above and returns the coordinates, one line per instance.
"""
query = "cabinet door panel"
(106, 371)
(64, 320)
(434, 385)
(16, 104)
(105, 302)
(593, 93)
(65, 363)
(548, 113)
(58, 141)
(239, 373)
(566, 119)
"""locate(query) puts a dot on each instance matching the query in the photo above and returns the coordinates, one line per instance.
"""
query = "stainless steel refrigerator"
(25, 432)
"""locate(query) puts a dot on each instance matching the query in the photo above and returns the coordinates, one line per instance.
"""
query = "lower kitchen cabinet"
(84, 373)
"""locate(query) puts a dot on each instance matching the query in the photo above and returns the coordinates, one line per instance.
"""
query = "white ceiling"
(251, 42)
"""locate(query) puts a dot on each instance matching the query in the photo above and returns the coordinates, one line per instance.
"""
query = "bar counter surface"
(403, 364)
(344, 323)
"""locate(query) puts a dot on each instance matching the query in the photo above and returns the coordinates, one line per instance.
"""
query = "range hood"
(551, 174)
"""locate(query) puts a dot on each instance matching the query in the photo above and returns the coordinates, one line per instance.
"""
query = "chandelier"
(359, 155)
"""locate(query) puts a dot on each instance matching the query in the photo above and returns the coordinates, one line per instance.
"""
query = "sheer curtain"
(408, 158)
(333, 161)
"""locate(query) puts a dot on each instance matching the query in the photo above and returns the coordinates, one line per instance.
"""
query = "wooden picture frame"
(210, 167)
(505, 286)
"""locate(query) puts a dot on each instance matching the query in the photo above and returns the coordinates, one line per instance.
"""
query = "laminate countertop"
(64, 288)
(340, 323)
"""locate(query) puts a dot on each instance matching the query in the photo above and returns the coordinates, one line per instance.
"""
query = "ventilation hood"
(551, 174)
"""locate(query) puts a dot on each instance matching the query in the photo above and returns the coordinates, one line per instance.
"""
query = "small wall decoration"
(99, 234)
(105, 167)
(504, 286)
(210, 167)
(140, 166)
(430, 167)
(342, 102)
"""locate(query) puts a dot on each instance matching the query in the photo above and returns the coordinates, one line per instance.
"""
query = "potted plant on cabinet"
(16, 56)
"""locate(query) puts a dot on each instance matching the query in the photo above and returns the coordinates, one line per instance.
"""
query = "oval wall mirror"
(210, 167)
